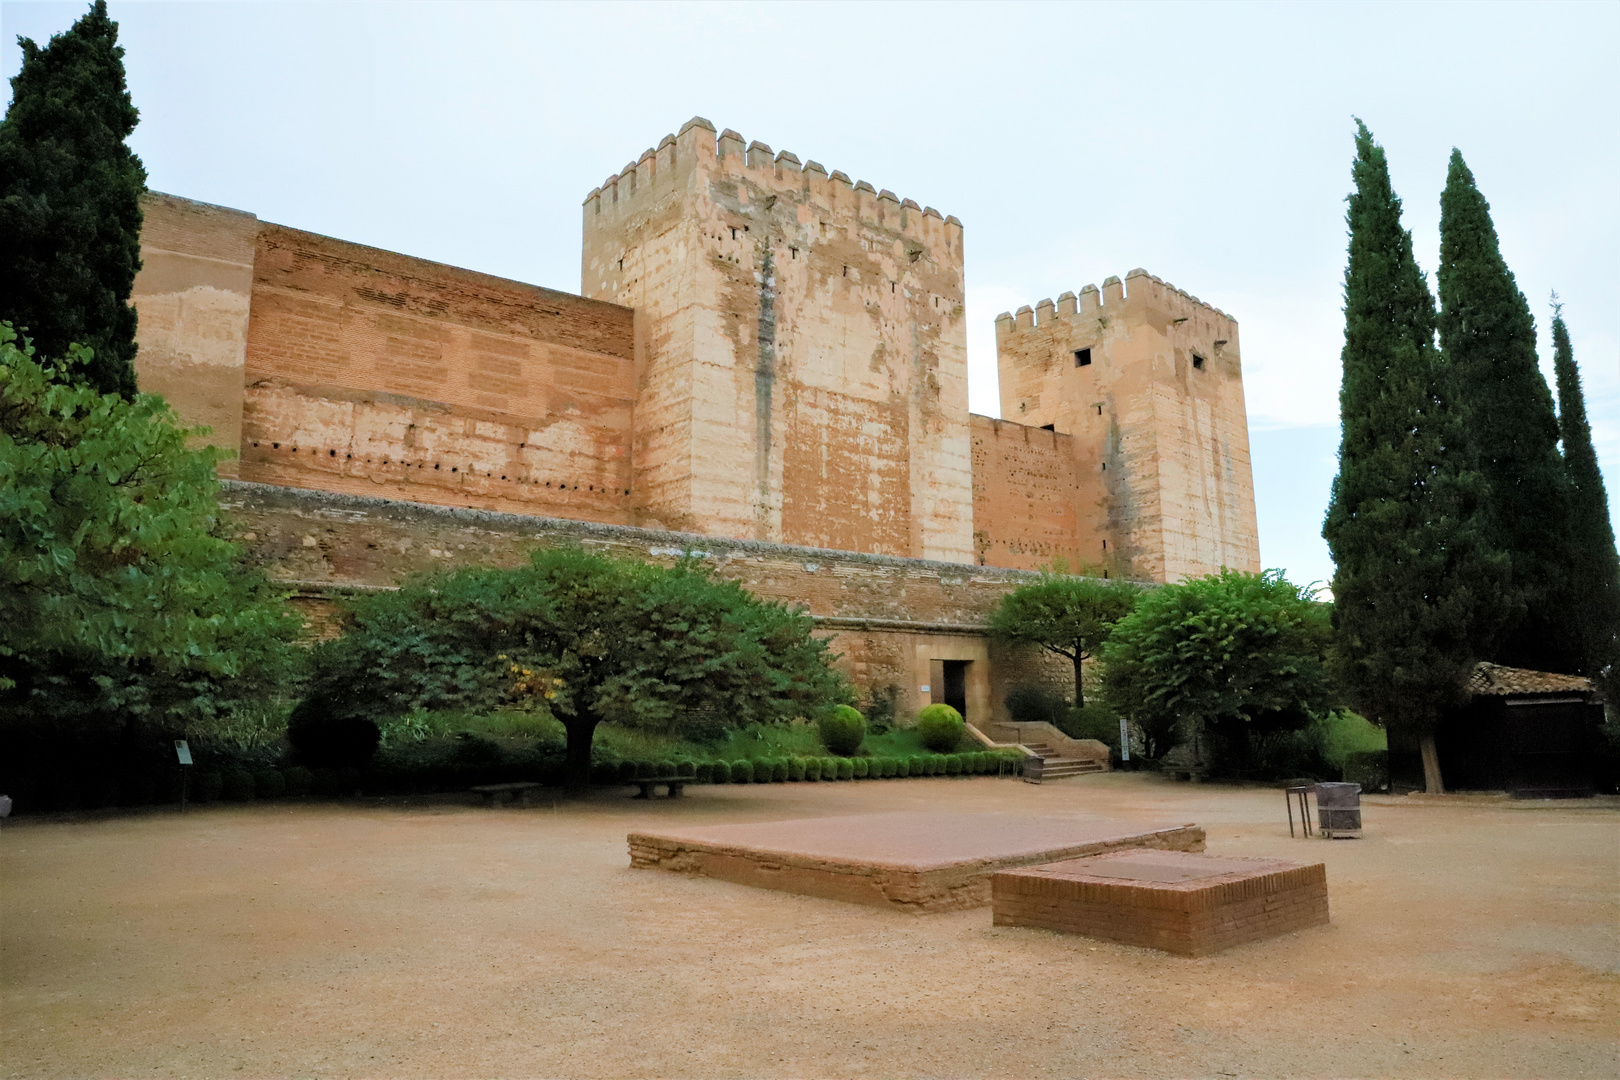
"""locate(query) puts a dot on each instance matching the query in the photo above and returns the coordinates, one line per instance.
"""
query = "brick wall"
(1024, 512)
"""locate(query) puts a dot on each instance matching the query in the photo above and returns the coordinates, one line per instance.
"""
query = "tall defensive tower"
(801, 353)
(1149, 382)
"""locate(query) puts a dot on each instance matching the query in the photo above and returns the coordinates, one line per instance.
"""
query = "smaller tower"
(1149, 382)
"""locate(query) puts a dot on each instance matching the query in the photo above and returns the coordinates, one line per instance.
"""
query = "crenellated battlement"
(1139, 291)
(697, 149)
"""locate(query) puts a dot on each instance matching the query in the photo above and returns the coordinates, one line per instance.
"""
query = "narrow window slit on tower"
(1198, 362)
(1049, 427)
(1099, 410)
(1082, 358)
(734, 234)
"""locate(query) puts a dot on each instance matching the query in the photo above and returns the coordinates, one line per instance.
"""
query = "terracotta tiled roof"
(1501, 681)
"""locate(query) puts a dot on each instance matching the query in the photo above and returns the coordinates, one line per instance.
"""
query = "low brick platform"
(1189, 904)
(920, 862)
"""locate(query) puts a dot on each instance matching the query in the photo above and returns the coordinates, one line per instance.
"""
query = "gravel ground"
(433, 939)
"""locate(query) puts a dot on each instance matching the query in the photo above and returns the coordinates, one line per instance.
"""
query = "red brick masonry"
(1183, 903)
(919, 862)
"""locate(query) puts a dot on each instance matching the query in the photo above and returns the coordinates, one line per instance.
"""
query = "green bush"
(269, 784)
(626, 771)
(795, 769)
(742, 772)
(887, 767)
(703, 773)
(1095, 721)
(846, 768)
(720, 771)
(764, 771)
(812, 768)
(1029, 704)
(829, 768)
(299, 781)
(902, 768)
(644, 769)
(1369, 768)
(860, 767)
(779, 771)
(604, 773)
(207, 785)
(940, 727)
(687, 769)
(843, 730)
(237, 785)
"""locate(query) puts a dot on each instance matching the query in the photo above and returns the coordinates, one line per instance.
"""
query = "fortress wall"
(888, 616)
(1024, 510)
(1158, 418)
(803, 374)
(192, 298)
(369, 372)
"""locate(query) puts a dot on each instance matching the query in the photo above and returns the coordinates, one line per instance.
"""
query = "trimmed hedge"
(940, 727)
(843, 730)
(720, 771)
(812, 768)
(742, 772)
(686, 768)
(299, 781)
(795, 769)
(861, 767)
(269, 784)
(846, 768)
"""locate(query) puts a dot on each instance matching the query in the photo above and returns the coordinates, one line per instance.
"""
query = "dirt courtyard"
(433, 939)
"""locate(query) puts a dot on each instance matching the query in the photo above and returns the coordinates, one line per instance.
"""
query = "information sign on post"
(1124, 741)
(182, 754)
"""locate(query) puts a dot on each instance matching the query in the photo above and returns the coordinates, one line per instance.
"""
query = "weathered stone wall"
(375, 373)
(192, 298)
(1159, 427)
(889, 617)
(1024, 507)
(803, 367)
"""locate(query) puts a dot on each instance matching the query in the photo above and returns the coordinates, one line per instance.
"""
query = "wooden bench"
(495, 794)
(648, 784)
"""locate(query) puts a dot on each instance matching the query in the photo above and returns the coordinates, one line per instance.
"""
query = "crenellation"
(1066, 305)
(760, 156)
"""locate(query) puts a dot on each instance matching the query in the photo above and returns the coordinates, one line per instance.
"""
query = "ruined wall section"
(192, 299)
(1024, 484)
(373, 373)
(1161, 441)
(803, 374)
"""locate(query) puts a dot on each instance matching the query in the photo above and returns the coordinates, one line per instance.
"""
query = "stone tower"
(1149, 383)
(801, 359)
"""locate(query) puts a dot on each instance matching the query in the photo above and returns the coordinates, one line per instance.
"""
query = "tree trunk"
(577, 758)
(1431, 767)
(1079, 690)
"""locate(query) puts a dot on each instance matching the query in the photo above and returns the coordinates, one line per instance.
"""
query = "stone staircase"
(1054, 767)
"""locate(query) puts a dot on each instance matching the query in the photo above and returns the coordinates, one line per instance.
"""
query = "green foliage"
(860, 767)
(122, 609)
(1069, 616)
(704, 773)
(721, 772)
(269, 784)
(1420, 591)
(70, 208)
(1594, 568)
(742, 772)
(299, 781)
(941, 727)
(795, 768)
(881, 708)
(845, 767)
(902, 768)
(628, 643)
(1031, 704)
(779, 771)
(843, 729)
(953, 765)
(207, 785)
(1489, 340)
(686, 768)
(812, 768)
(238, 785)
(1369, 768)
(1098, 720)
(765, 771)
(1221, 655)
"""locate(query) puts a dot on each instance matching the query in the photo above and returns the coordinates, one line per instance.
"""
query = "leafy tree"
(607, 639)
(1419, 589)
(1066, 615)
(120, 603)
(1595, 566)
(1224, 655)
(1489, 340)
(70, 208)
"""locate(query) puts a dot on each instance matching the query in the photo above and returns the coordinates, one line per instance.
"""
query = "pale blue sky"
(1209, 143)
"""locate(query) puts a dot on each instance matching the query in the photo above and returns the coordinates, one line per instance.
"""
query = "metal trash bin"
(1338, 811)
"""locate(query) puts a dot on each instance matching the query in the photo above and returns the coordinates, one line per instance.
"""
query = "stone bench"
(495, 794)
(649, 785)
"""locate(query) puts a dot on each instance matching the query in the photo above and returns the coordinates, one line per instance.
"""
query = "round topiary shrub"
(626, 771)
(686, 768)
(645, 769)
(846, 768)
(779, 771)
(666, 768)
(764, 771)
(207, 785)
(812, 768)
(902, 768)
(940, 727)
(953, 765)
(325, 736)
(742, 772)
(720, 771)
(860, 767)
(843, 730)
(348, 781)
(138, 788)
(269, 784)
(704, 773)
(796, 769)
(604, 772)
(299, 781)
(891, 768)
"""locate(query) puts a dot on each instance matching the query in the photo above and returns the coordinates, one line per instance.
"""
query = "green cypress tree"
(1418, 589)
(1489, 339)
(1595, 566)
(70, 208)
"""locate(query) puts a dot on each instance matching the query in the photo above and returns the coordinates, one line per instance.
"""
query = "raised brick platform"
(914, 861)
(1182, 903)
